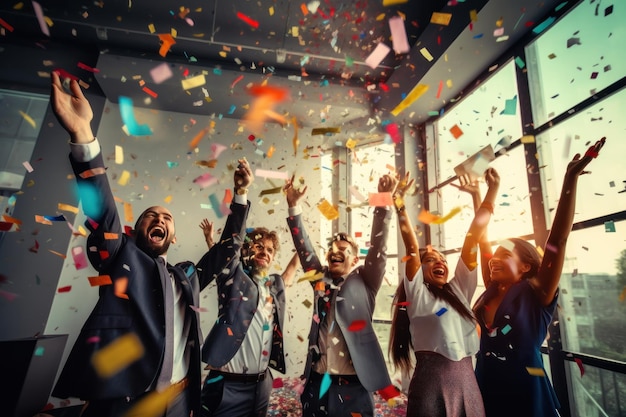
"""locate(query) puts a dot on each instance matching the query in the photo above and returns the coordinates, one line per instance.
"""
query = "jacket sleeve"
(303, 245)
(373, 271)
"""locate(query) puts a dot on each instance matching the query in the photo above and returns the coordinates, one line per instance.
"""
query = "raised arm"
(471, 187)
(411, 245)
(479, 225)
(207, 231)
(290, 271)
(546, 282)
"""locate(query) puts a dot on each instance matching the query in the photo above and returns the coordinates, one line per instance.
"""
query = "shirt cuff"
(85, 152)
(294, 211)
(241, 199)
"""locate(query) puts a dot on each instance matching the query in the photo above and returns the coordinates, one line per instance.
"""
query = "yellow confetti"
(151, 28)
(28, 119)
(328, 210)
(351, 143)
(441, 18)
(117, 355)
(535, 371)
(168, 199)
(311, 275)
(473, 15)
(415, 94)
(119, 155)
(528, 139)
(67, 207)
(426, 54)
(271, 11)
(124, 178)
(193, 82)
(393, 2)
(155, 403)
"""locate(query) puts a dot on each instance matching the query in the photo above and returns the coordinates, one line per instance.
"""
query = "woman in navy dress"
(515, 310)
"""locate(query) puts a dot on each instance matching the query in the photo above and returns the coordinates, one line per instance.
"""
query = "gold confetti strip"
(117, 355)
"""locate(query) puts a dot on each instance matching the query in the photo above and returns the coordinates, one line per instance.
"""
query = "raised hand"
(292, 193)
(387, 183)
(243, 175)
(73, 111)
(578, 164)
(207, 230)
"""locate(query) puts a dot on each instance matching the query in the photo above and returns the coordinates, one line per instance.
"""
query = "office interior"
(366, 89)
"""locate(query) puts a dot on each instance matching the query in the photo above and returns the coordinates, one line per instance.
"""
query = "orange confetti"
(110, 236)
(120, 287)
(60, 255)
(196, 140)
(456, 131)
(100, 280)
(166, 43)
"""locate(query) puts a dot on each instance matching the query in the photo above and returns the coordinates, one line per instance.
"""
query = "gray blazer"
(359, 299)
(238, 297)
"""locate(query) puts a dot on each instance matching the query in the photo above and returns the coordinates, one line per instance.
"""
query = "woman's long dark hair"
(400, 345)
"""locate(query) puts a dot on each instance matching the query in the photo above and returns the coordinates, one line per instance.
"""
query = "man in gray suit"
(344, 353)
(247, 338)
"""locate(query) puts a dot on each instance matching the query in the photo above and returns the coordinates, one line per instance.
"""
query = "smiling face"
(342, 256)
(155, 231)
(260, 249)
(434, 268)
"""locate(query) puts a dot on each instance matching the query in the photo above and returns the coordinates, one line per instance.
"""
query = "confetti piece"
(389, 392)
(87, 67)
(426, 54)
(196, 140)
(79, 257)
(166, 43)
(205, 180)
(456, 131)
(393, 2)
(128, 117)
(120, 287)
(380, 199)
(510, 106)
(325, 384)
(580, 366)
(100, 280)
(505, 329)
(5, 25)
(216, 206)
(311, 276)
(415, 94)
(193, 82)
(357, 326)
(535, 371)
(161, 73)
(328, 210)
(117, 355)
(441, 18)
(543, 25)
(253, 23)
(325, 130)
(124, 178)
(428, 218)
(398, 35)
(609, 226)
(528, 139)
(378, 54)
(264, 173)
(67, 207)
(41, 18)
(29, 120)
(441, 312)
(65, 289)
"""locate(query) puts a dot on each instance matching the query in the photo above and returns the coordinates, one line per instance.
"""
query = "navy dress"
(509, 366)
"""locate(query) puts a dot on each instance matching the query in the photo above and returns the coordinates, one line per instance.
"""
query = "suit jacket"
(359, 299)
(238, 297)
(140, 312)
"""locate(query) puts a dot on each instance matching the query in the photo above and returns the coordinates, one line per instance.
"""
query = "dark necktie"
(168, 305)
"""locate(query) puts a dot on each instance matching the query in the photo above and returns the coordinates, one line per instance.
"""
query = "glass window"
(592, 293)
(489, 115)
(21, 115)
(512, 215)
(578, 56)
(597, 392)
(602, 192)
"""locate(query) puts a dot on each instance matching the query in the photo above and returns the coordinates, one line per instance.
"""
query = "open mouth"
(439, 271)
(336, 259)
(157, 234)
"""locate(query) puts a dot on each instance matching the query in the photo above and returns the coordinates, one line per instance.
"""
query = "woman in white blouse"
(432, 317)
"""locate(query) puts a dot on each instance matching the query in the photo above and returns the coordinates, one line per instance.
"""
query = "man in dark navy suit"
(145, 313)
(345, 363)
(246, 339)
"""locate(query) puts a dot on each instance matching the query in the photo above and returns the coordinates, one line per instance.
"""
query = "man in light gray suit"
(344, 354)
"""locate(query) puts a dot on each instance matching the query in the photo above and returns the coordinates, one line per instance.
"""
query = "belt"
(245, 378)
(337, 379)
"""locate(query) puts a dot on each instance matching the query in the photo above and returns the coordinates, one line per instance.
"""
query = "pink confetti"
(40, 18)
